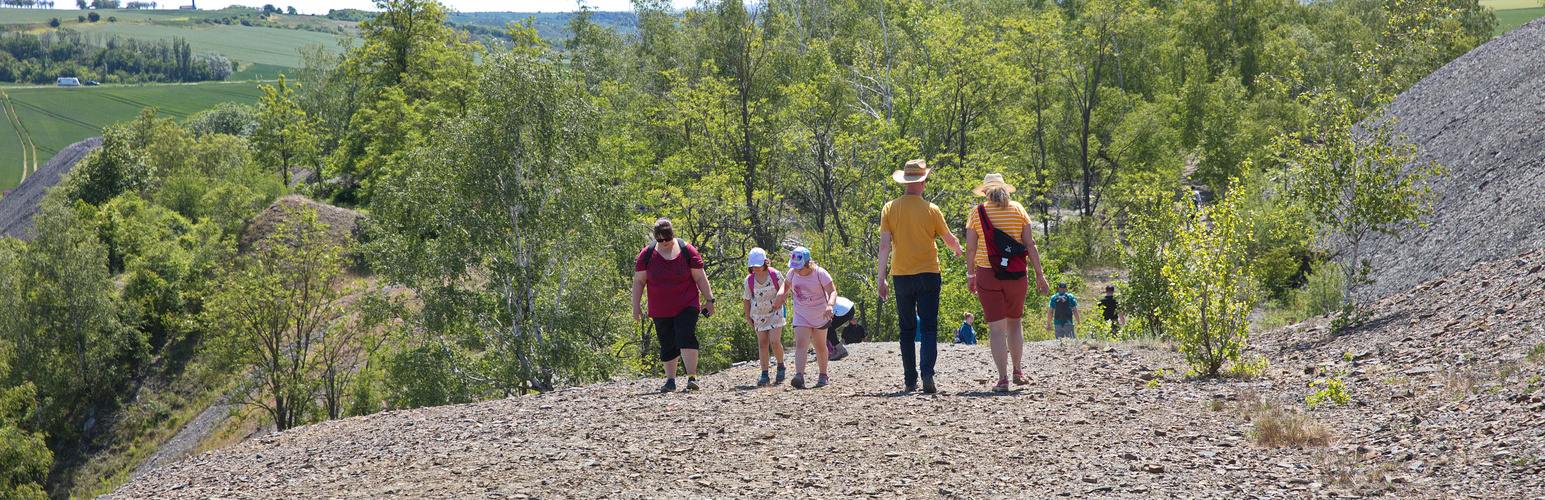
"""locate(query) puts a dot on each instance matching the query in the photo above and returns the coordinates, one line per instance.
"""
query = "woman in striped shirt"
(1003, 301)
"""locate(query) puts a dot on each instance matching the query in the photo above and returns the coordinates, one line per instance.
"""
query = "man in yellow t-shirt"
(911, 223)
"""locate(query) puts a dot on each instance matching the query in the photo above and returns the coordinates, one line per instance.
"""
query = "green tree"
(1356, 179)
(272, 311)
(285, 137)
(413, 71)
(115, 168)
(1190, 279)
(71, 342)
(24, 458)
(508, 231)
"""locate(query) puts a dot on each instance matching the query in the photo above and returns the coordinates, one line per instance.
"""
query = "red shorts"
(1000, 299)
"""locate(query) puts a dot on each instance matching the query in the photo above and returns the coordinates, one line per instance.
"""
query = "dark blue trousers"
(917, 311)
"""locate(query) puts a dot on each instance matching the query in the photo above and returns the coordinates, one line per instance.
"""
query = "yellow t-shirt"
(1010, 219)
(913, 223)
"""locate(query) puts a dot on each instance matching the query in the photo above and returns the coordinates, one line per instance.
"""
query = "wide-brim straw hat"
(915, 171)
(992, 180)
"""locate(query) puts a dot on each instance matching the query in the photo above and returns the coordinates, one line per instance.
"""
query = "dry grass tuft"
(1276, 427)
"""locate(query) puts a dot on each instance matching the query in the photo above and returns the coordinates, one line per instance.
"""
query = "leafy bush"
(1148, 299)
(1193, 265)
(1322, 292)
(1278, 271)
(1334, 392)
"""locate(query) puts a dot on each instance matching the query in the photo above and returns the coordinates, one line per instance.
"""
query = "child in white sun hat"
(764, 296)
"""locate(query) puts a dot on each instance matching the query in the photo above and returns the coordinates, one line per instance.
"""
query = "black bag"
(1006, 254)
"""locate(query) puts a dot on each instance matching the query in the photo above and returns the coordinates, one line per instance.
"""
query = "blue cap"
(799, 257)
(756, 258)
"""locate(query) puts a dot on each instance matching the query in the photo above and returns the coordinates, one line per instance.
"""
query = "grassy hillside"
(57, 117)
(1510, 4)
(255, 44)
(550, 25)
(1513, 18)
(1514, 13)
(272, 46)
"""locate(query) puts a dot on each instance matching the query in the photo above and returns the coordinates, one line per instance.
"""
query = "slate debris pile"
(1446, 381)
(16, 210)
(1482, 116)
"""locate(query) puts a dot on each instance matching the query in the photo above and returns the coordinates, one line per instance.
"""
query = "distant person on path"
(1062, 313)
(763, 298)
(1001, 248)
(966, 334)
(1110, 312)
(814, 295)
(672, 271)
(842, 313)
(910, 224)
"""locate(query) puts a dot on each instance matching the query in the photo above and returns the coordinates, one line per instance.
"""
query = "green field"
(57, 117)
(1510, 4)
(1513, 18)
(247, 44)
(271, 46)
(17, 16)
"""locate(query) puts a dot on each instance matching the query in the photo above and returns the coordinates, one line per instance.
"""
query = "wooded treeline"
(46, 57)
(510, 189)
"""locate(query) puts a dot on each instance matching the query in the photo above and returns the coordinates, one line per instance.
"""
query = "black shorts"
(676, 333)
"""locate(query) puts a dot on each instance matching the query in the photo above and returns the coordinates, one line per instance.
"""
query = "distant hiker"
(672, 271)
(911, 224)
(854, 333)
(814, 296)
(1109, 311)
(966, 334)
(763, 299)
(1062, 313)
(842, 313)
(1001, 245)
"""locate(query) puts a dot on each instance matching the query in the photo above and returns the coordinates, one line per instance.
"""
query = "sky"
(321, 6)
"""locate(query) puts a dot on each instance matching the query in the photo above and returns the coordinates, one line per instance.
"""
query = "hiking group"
(999, 245)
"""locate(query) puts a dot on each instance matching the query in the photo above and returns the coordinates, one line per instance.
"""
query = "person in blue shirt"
(966, 334)
(1062, 313)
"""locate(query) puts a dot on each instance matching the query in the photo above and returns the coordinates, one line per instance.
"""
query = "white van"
(69, 82)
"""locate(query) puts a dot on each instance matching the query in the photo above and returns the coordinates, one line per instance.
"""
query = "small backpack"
(751, 280)
(1062, 307)
(1006, 254)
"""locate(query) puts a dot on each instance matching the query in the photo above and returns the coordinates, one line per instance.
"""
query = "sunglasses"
(661, 240)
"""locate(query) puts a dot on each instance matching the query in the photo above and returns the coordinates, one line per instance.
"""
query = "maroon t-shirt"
(670, 285)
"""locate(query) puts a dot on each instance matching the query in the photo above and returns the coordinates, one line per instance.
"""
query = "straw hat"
(992, 180)
(915, 171)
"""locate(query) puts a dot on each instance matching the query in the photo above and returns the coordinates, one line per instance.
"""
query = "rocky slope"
(1445, 402)
(17, 209)
(1482, 116)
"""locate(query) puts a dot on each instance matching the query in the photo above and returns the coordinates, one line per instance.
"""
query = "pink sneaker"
(1003, 386)
(1019, 378)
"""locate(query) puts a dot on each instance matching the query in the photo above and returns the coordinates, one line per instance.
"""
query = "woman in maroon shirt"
(672, 270)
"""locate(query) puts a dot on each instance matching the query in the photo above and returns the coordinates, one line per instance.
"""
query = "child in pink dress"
(811, 290)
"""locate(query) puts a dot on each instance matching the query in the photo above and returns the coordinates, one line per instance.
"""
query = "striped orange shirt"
(1010, 219)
